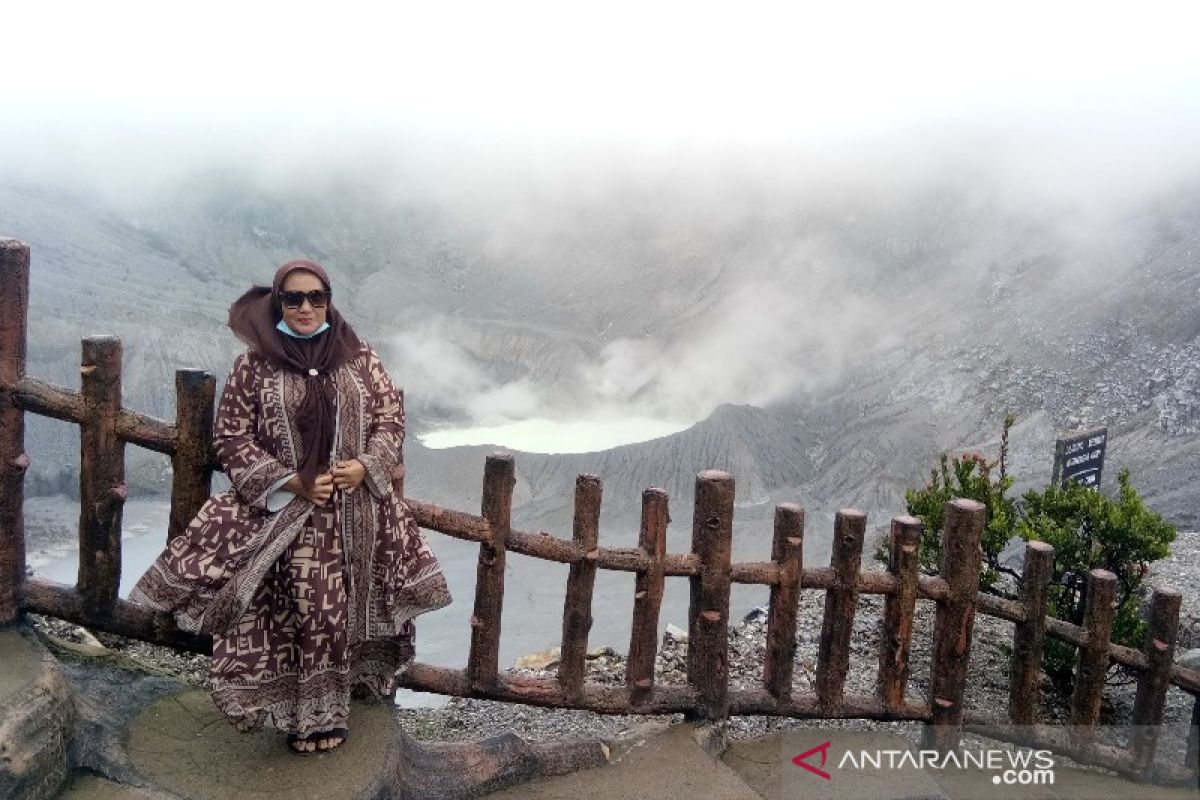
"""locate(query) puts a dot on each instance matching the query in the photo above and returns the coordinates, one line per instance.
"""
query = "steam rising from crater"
(770, 192)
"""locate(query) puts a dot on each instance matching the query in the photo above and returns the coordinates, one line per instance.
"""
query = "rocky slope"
(877, 335)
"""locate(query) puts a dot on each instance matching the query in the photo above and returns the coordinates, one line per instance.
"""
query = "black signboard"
(1080, 458)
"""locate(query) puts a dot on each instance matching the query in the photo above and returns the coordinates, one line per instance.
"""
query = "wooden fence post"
(577, 605)
(787, 551)
(898, 612)
(708, 612)
(191, 473)
(1092, 671)
(14, 312)
(101, 473)
(1026, 677)
(1153, 683)
(483, 664)
(837, 625)
(647, 598)
(953, 622)
(1193, 745)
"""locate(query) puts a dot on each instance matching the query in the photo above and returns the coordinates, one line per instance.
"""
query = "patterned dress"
(305, 604)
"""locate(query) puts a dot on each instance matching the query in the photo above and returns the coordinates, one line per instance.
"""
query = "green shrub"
(1090, 530)
(967, 476)
(1087, 529)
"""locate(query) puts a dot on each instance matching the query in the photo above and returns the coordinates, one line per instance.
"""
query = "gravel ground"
(187, 667)
(987, 680)
(987, 685)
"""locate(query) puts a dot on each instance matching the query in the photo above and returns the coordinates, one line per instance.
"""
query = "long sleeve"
(386, 433)
(254, 472)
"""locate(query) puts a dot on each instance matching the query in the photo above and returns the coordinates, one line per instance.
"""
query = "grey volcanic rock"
(932, 318)
(37, 718)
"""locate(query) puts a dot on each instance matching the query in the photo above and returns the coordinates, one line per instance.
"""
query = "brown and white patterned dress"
(305, 604)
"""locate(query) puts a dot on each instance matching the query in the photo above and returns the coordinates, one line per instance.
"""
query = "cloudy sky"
(255, 77)
(1059, 104)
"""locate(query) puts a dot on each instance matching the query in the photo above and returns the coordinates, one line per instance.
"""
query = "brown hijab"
(253, 318)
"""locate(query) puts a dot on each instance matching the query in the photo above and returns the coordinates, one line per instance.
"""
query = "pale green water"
(552, 436)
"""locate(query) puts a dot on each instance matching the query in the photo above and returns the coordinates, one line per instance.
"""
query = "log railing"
(106, 427)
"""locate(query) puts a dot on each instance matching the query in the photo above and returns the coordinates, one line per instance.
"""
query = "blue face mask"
(282, 327)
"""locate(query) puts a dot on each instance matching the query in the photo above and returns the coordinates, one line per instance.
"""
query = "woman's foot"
(303, 744)
(332, 739)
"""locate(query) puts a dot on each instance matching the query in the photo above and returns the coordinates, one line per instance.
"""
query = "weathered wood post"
(1093, 655)
(647, 598)
(787, 551)
(1153, 683)
(191, 473)
(1193, 746)
(1025, 680)
(898, 612)
(708, 611)
(101, 473)
(841, 600)
(577, 605)
(499, 476)
(14, 311)
(953, 622)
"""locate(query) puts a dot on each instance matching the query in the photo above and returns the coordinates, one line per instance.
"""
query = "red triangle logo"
(802, 760)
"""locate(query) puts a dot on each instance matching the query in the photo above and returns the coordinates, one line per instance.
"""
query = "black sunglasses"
(317, 298)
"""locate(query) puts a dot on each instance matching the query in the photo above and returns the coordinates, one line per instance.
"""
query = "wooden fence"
(105, 428)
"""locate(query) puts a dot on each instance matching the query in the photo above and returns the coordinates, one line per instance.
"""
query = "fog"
(579, 150)
(126, 93)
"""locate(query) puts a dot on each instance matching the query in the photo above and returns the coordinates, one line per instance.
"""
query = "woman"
(308, 572)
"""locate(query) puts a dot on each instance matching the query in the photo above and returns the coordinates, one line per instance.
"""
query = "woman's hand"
(347, 475)
(320, 492)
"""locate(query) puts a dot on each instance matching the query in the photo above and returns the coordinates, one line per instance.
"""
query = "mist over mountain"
(827, 338)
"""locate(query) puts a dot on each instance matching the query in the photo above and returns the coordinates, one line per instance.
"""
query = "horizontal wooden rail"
(123, 617)
(49, 400)
(548, 692)
(808, 706)
(1186, 679)
(662, 699)
(472, 528)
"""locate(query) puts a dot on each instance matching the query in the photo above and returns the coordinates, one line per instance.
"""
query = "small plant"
(1087, 529)
(969, 476)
